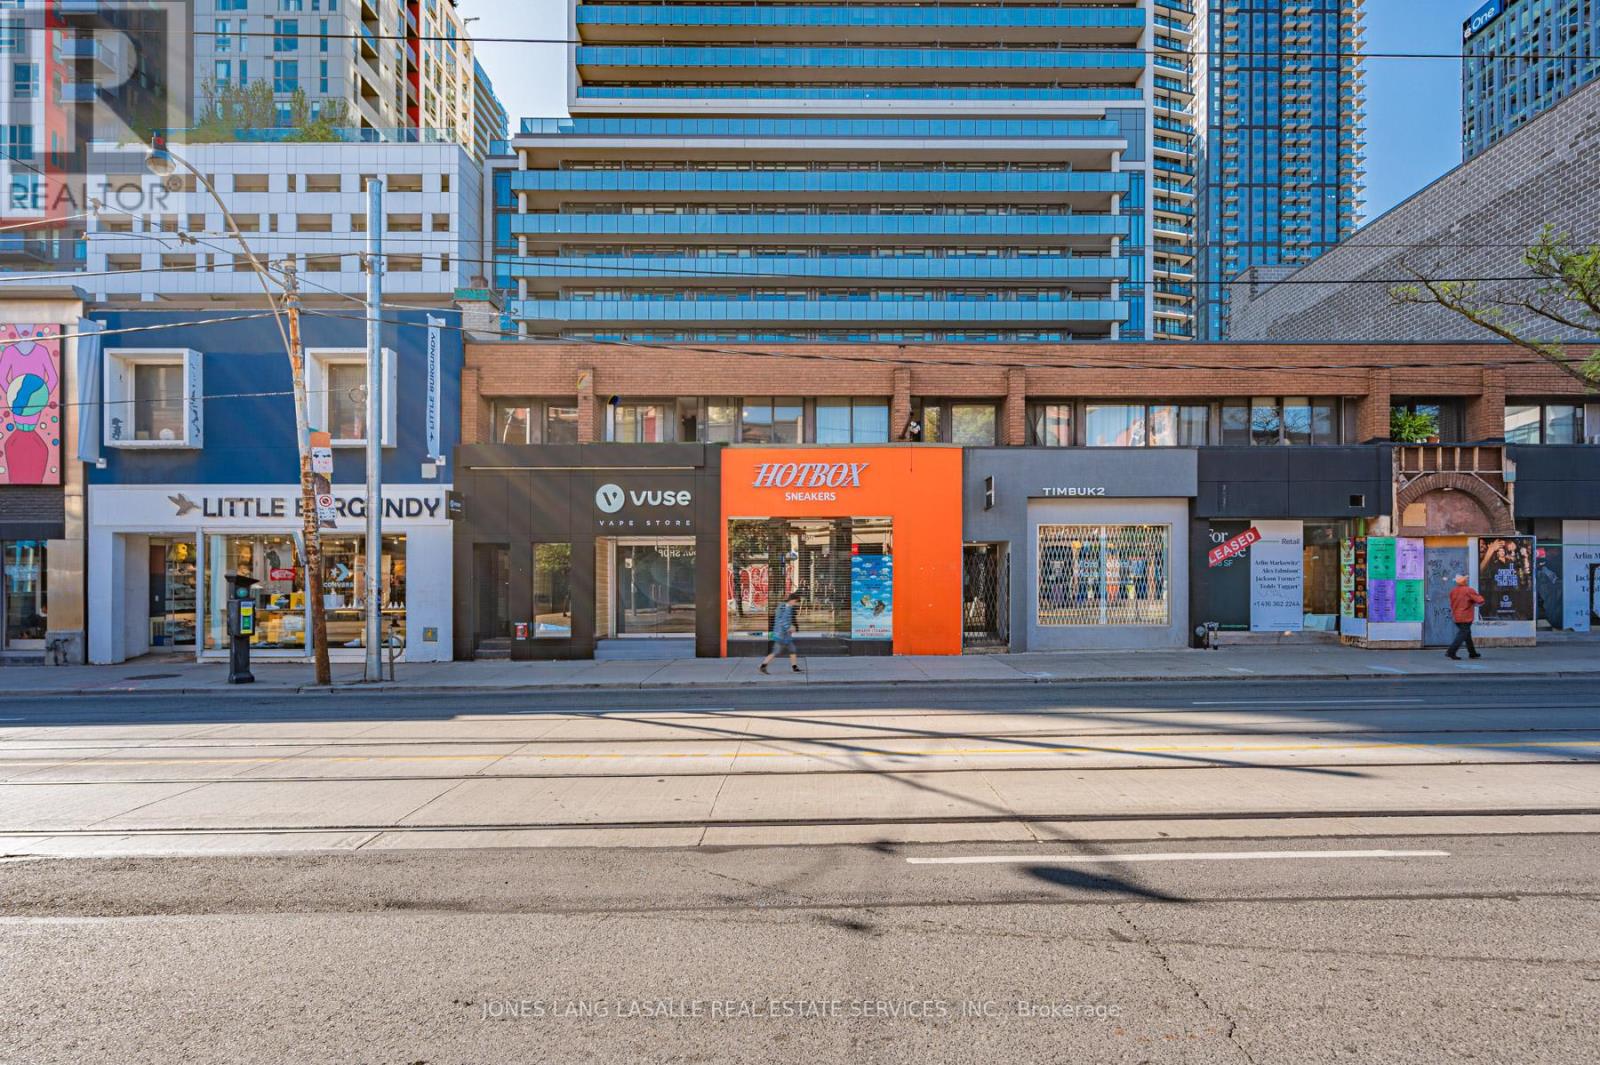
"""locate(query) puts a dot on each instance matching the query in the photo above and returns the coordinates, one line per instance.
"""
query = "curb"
(385, 689)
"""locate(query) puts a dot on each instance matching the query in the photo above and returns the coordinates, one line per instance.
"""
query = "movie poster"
(872, 597)
(1505, 578)
(30, 387)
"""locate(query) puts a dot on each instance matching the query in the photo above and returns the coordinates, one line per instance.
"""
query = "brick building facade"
(1366, 378)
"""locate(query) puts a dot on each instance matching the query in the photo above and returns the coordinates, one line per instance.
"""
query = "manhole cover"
(154, 676)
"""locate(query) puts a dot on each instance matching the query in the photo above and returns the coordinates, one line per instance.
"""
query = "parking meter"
(241, 628)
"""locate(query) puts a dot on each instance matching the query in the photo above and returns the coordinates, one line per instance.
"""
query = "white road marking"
(1299, 702)
(1173, 856)
(1240, 669)
(1388, 669)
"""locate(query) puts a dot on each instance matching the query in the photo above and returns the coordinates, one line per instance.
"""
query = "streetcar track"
(823, 822)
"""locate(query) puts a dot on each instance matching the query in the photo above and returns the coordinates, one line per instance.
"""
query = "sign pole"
(375, 423)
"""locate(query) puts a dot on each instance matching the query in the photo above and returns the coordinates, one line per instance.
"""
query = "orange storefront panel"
(917, 487)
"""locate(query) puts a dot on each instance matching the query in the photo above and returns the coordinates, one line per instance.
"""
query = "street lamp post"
(162, 162)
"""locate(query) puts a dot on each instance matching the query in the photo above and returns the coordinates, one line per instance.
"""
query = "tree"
(1565, 294)
(231, 108)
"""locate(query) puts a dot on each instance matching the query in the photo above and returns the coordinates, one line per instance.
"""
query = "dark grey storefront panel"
(1021, 474)
(1294, 482)
(578, 493)
(1114, 485)
(1557, 482)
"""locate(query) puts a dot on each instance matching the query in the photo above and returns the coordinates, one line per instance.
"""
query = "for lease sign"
(1233, 546)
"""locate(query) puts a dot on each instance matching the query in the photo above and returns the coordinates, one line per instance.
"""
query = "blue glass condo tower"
(882, 171)
(1519, 59)
(1280, 138)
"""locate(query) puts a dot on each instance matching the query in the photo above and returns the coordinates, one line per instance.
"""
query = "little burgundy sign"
(809, 481)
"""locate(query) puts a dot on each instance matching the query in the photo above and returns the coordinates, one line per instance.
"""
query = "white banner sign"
(1277, 578)
(435, 384)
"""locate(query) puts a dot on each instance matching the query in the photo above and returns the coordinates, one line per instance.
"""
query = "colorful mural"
(30, 404)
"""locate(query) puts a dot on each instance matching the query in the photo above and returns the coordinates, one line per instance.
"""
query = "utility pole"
(310, 516)
(374, 575)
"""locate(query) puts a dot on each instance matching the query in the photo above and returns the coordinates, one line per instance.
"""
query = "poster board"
(871, 597)
(1502, 570)
(1277, 577)
(1353, 587)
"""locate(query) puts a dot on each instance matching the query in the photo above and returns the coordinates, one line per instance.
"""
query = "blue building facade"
(1519, 59)
(954, 172)
(193, 474)
(1281, 135)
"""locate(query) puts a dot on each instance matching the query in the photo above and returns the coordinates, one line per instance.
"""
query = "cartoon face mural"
(30, 404)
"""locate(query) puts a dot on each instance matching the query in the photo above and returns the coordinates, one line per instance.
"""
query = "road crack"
(1230, 1029)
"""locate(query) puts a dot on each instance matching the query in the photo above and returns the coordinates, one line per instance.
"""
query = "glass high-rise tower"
(882, 171)
(1280, 138)
(1519, 59)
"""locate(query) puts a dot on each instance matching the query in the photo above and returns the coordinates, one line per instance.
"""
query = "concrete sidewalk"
(1314, 662)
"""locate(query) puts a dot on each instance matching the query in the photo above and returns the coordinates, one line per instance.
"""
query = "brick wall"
(1009, 374)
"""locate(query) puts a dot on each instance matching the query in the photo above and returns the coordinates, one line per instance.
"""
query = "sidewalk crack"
(1230, 1026)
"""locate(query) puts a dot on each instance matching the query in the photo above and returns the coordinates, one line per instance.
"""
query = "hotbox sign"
(1234, 545)
(810, 480)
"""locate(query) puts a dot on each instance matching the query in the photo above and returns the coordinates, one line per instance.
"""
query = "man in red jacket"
(1464, 600)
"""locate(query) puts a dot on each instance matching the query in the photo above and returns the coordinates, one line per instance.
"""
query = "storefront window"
(22, 586)
(641, 423)
(1113, 425)
(847, 421)
(347, 400)
(719, 421)
(972, 424)
(842, 568)
(513, 422)
(560, 423)
(552, 591)
(1103, 575)
(344, 569)
(279, 593)
(772, 421)
(1544, 423)
(172, 593)
(1320, 549)
(158, 401)
(1052, 425)
(1266, 420)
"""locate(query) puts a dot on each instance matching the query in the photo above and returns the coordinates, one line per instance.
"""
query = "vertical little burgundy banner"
(1277, 578)
(872, 597)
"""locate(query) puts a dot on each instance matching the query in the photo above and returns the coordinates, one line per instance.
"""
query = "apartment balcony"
(864, 22)
(1074, 271)
(873, 184)
(667, 63)
(828, 227)
(1087, 314)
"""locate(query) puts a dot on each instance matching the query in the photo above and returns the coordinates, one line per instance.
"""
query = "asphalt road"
(1383, 871)
(1452, 948)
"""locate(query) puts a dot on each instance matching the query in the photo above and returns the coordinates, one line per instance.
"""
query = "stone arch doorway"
(1452, 504)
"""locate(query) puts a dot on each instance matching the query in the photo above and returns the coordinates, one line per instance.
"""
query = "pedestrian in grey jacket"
(783, 633)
